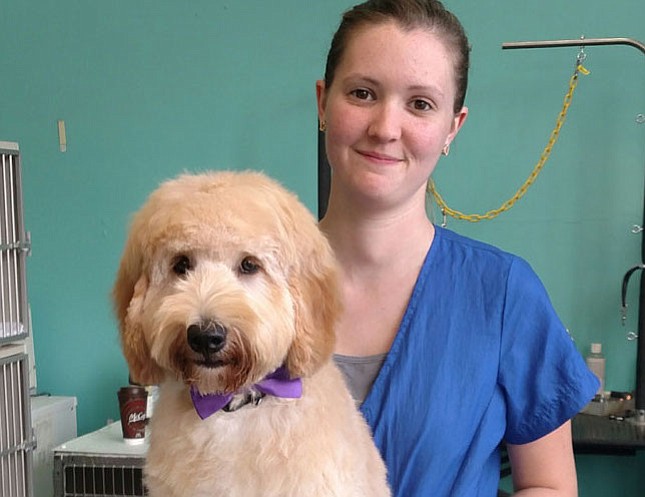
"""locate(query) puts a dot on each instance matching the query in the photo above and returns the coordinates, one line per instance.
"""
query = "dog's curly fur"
(237, 249)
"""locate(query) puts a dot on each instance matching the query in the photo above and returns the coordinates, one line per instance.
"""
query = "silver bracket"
(21, 245)
(26, 446)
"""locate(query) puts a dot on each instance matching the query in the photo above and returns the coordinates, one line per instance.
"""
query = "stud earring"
(322, 126)
(446, 150)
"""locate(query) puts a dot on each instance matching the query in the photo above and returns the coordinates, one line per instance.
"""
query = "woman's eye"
(181, 265)
(249, 265)
(361, 94)
(421, 105)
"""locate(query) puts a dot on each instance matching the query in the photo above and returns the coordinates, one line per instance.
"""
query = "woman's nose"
(385, 123)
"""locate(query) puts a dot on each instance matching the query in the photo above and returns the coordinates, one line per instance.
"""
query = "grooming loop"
(474, 218)
(632, 335)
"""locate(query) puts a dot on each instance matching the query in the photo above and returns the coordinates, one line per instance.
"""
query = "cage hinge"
(21, 245)
(27, 446)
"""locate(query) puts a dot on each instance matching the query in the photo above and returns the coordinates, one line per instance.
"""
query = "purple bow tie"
(277, 384)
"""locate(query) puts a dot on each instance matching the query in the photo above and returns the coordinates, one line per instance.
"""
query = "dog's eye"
(181, 265)
(249, 265)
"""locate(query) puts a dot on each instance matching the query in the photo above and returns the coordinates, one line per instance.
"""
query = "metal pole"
(580, 42)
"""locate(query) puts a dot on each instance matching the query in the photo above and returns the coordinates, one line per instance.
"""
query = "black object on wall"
(324, 175)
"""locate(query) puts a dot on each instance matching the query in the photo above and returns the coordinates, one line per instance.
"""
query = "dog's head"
(225, 276)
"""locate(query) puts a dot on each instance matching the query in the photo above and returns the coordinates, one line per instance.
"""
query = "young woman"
(450, 346)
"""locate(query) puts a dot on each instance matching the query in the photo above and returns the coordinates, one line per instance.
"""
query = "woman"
(449, 346)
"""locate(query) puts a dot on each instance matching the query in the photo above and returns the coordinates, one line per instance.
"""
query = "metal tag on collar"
(251, 396)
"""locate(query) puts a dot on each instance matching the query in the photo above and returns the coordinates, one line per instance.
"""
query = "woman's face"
(389, 112)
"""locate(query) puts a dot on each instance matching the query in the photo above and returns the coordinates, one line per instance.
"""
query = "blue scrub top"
(480, 357)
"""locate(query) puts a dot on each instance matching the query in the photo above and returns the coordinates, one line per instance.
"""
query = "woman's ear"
(321, 99)
(457, 122)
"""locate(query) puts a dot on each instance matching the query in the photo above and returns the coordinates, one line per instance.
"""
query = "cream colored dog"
(226, 297)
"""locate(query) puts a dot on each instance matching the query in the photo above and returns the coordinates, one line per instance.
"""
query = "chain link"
(474, 218)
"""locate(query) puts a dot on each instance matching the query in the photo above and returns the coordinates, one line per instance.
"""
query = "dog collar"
(277, 384)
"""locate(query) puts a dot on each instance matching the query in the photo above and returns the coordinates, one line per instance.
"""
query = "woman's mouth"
(378, 157)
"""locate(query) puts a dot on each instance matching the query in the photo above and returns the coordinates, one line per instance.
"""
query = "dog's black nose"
(206, 338)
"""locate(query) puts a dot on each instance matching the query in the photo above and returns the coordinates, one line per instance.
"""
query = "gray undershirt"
(359, 373)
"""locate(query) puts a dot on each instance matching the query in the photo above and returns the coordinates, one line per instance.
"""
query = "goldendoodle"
(227, 297)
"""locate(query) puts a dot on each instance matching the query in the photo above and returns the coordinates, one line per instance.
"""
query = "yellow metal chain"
(473, 218)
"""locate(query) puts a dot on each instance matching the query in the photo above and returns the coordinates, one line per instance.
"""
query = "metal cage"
(16, 435)
(100, 464)
(16, 438)
(80, 475)
(14, 246)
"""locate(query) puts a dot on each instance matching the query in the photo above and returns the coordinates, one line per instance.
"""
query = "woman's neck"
(380, 257)
(378, 242)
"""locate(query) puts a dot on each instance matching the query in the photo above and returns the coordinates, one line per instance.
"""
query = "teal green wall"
(151, 88)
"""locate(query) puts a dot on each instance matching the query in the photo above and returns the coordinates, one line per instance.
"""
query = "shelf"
(603, 435)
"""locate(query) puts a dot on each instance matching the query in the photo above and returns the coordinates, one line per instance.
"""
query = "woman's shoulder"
(476, 259)
(452, 243)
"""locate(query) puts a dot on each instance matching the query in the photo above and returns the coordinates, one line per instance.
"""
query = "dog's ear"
(128, 294)
(314, 288)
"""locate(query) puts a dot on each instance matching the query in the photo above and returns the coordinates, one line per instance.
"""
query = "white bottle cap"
(596, 348)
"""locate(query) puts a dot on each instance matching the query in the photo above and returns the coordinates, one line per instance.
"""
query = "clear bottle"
(596, 362)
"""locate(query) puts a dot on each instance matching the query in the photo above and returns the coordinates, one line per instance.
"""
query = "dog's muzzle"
(207, 339)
